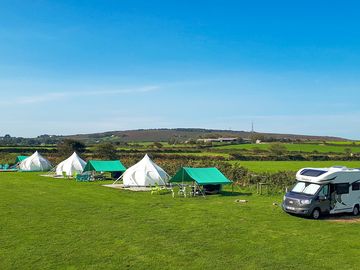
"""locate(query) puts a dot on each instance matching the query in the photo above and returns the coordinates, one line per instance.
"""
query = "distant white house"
(218, 140)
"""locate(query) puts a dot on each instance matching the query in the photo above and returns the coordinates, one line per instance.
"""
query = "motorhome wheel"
(316, 214)
(356, 210)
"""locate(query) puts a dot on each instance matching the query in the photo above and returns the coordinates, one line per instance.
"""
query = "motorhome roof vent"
(339, 167)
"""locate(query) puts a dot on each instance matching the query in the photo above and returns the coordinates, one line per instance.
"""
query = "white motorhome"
(324, 191)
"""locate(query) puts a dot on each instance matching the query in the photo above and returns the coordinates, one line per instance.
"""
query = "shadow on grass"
(235, 193)
(163, 193)
(341, 217)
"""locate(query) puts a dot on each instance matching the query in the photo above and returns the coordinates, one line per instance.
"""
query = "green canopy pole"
(182, 179)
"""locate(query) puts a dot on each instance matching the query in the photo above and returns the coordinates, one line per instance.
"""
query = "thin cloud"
(121, 91)
(62, 95)
(39, 99)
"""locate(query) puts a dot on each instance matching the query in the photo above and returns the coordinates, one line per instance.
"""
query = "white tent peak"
(72, 165)
(35, 162)
(146, 157)
(145, 173)
(74, 155)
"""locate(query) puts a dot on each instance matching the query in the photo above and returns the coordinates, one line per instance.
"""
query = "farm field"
(61, 224)
(343, 142)
(202, 154)
(275, 166)
(305, 147)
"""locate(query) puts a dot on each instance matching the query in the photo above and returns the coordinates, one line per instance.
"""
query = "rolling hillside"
(183, 134)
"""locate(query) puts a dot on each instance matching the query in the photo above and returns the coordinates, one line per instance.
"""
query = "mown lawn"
(60, 224)
(275, 166)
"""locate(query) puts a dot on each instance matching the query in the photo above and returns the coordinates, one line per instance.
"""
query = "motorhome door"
(340, 198)
(324, 199)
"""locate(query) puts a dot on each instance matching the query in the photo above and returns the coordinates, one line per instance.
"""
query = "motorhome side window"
(324, 191)
(356, 186)
(342, 188)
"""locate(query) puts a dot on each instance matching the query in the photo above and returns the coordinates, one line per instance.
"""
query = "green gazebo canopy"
(105, 166)
(20, 159)
(202, 176)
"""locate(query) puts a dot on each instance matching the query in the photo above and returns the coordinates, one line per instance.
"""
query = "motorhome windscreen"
(312, 172)
(306, 188)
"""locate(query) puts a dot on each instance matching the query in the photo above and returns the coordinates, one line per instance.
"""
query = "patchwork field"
(60, 224)
(275, 166)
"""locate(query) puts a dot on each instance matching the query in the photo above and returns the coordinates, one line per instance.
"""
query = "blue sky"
(87, 66)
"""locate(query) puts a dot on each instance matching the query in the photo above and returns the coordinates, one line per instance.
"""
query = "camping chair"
(199, 191)
(156, 189)
(182, 190)
(83, 178)
(193, 191)
(100, 176)
(160, 189)
(196, 190)
(171, 190)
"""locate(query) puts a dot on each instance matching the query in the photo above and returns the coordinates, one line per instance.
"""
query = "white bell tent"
(35, 162)
(71, 166)
(144, 173)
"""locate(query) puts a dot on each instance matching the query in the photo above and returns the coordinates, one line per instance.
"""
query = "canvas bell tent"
(35, 162)
(211, 179)
(145, 173)
(115, 167)
(71, 166)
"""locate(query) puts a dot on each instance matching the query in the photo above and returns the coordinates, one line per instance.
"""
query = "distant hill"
(183, 134)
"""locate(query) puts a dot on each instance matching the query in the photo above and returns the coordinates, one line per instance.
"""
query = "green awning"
(104, 166)
(202, 176)
(20, 159)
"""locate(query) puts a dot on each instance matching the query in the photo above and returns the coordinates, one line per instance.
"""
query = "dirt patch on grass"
(121, 186)
(344, 219)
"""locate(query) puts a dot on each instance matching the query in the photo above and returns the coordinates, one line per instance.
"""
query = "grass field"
(60, 224)
(274, 166)
(293, 147)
